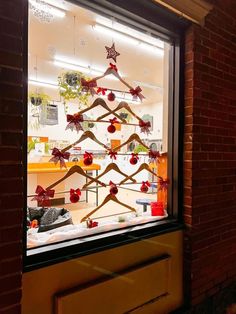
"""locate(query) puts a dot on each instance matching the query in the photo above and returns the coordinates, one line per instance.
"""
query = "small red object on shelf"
(34, 223)
(91, 223)
(88, 159)
(157, 208)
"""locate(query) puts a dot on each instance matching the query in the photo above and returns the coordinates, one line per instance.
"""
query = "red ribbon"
(91, 224)
(146, 183)
(113, 67)
(77, 191)
(112, 154)
(145, 126)
(88, 155)
(101, 90)
(163, 184)
(59, 156)
(88, 86)
(135, 156)
(43, 196)
(114, 120)
(154, 155)
(74, 122)
(136, 93)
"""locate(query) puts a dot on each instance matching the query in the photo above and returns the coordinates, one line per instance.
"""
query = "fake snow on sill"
(68, 232)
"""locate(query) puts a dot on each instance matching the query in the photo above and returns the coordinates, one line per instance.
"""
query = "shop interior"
(69, 45)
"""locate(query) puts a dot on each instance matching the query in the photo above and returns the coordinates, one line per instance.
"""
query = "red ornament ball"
(114, 190)
(111, 96)
(144, 188)
(88, 161)
(133, 160)
(111, 128)
(74, 198)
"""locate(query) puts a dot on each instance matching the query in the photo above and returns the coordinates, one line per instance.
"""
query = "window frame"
(142, 15)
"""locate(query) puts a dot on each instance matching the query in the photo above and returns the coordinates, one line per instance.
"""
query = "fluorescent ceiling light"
(151, 86)
(45, 7)
(129, 39)
(66, 63)
(140, 36)
(76, 67)
(43, 83)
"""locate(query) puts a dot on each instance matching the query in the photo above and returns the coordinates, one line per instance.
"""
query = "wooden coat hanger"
(84, 136)
(110, 167)
(122, 105)
(133, 137)
(107, 199)
(101, 102)
(114, 73)
(142, 167)
(72, 170)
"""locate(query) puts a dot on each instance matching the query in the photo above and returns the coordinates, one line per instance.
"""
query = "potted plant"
(70, 87)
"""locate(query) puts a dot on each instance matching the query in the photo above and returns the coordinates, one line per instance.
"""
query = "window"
(100, 125)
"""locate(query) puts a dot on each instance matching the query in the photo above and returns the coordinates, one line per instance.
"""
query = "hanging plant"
(70, 87)
(36, 101)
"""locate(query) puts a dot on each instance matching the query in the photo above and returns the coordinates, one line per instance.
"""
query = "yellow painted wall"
(40, 286)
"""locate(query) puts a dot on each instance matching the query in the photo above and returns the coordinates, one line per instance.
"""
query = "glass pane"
(97, 124)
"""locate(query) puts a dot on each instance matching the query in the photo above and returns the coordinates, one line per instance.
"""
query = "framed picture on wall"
(148, 117)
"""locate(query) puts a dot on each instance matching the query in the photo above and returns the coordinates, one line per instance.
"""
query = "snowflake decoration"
(41, 10)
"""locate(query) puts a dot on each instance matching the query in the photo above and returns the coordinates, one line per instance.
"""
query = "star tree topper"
(111, 52)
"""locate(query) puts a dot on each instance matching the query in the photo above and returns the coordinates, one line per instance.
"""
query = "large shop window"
(100, 126)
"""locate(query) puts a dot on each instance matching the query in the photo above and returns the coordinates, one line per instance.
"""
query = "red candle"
(157, 208)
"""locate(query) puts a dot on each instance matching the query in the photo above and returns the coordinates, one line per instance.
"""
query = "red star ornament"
(111, 52)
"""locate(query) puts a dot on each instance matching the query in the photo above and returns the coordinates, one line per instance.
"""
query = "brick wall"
(210, 154)
(11, 139)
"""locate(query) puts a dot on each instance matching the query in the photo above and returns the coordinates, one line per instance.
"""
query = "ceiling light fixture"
(43, 83)
(66, 63)
(45, 12)
(140, 36)
(129, 39)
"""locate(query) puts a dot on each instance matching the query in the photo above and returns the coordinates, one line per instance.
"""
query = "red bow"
(91, 224)
(88, 155)
(113, 67)
(43, 196)
(74, 122)
(77, 191)
(136, 93)
(134, 155)
(114, 120)
(153, 155)
(145, 126)
(88, 86)
(101, 90)
(146, 183)
(112, 154)
(59, 156)
(163, 184)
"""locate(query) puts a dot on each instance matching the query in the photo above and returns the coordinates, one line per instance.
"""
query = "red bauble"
(88, 161)
(133, 160)
(111, 96)
(144, 188)
(114, 190)
(74, 198)
(111, 128)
